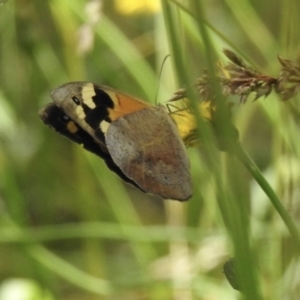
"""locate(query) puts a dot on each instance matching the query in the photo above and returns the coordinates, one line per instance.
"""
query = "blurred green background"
(70, 229)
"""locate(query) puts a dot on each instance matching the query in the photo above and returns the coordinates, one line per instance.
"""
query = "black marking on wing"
(75, 100)
(102, 98)
(55, 118)
(96, 115)
(99, 134)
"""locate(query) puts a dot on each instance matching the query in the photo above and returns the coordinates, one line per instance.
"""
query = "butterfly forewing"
(93, 106)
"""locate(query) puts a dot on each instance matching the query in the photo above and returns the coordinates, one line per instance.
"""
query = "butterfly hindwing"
(147, 148)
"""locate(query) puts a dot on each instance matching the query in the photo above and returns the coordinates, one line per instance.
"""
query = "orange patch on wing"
(125, 105)
(72, 127)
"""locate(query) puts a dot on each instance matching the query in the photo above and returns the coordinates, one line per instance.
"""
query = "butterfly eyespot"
(76, 100)
(65, 118)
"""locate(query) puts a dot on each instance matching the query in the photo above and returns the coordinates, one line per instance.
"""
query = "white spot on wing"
(87, 93)
(80, 112)
(104, 126)
(113, 97)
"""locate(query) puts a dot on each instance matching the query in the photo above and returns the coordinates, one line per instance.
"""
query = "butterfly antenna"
(160, 73)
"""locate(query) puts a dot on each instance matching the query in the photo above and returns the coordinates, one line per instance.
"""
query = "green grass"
(73, 227)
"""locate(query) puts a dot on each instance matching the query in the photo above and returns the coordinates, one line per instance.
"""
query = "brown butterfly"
(138, 141)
